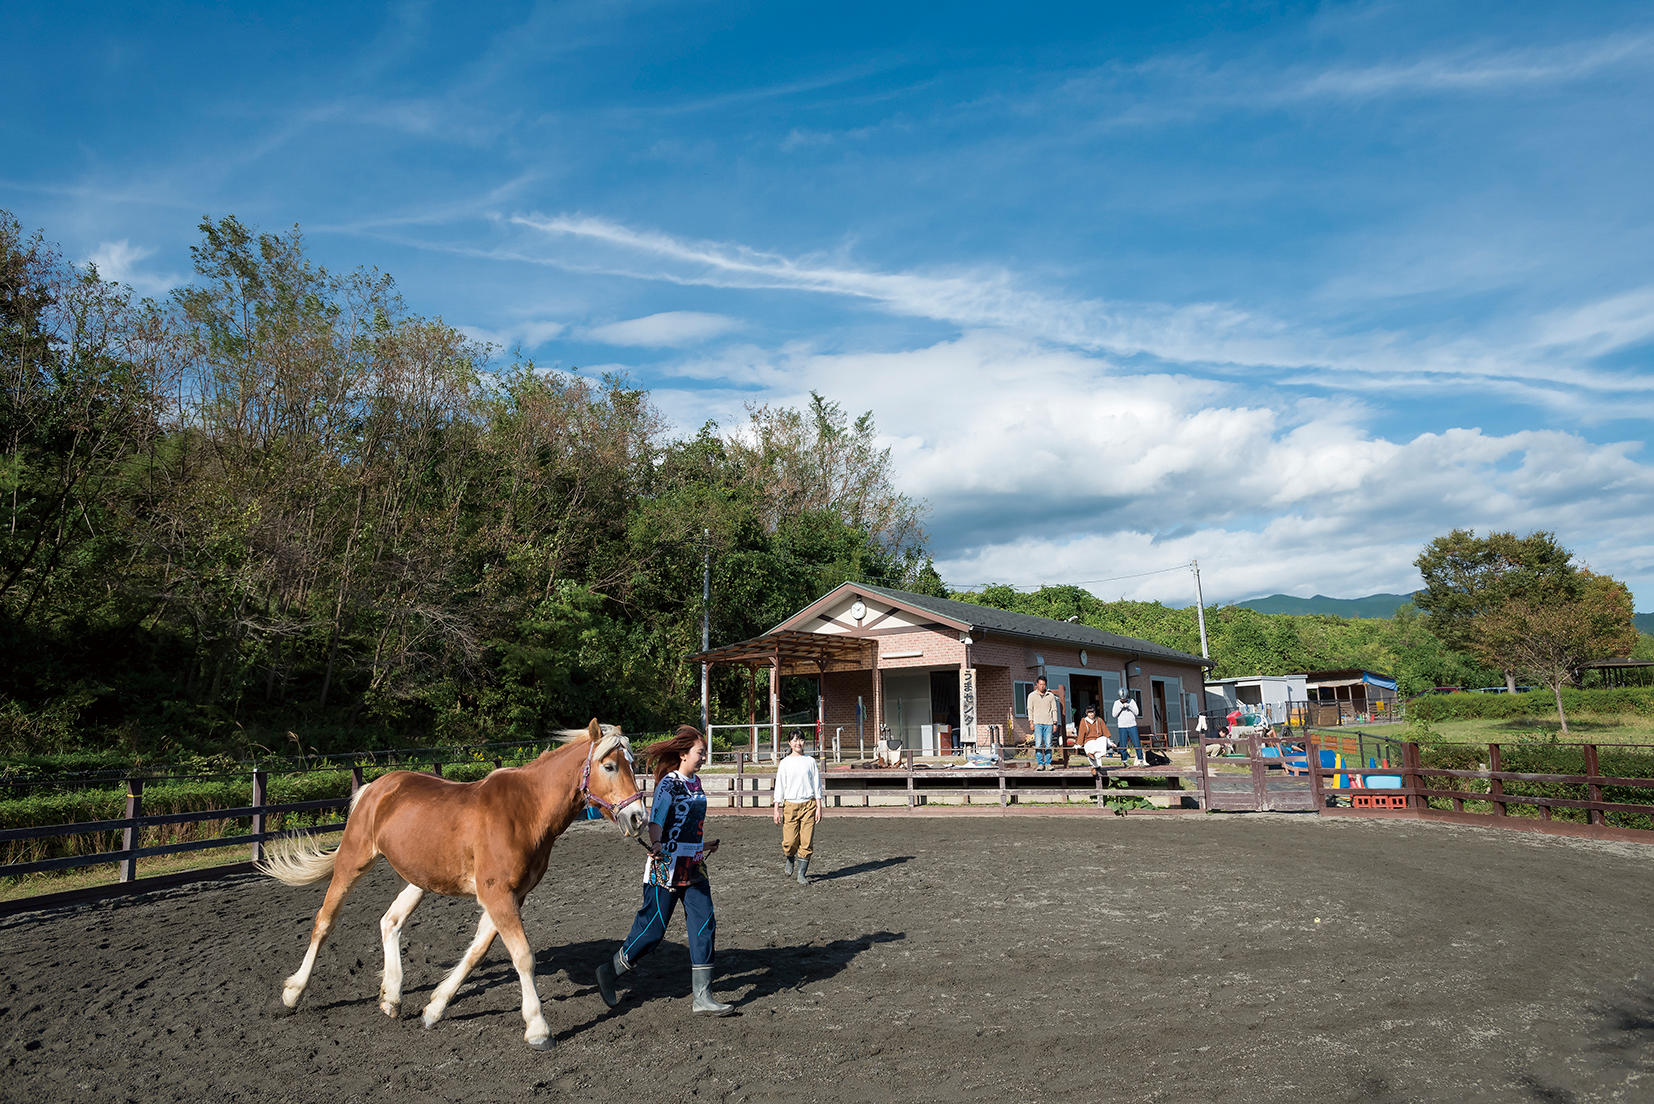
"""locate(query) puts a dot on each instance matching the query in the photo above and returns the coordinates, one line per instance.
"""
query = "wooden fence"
(913, 786)
(258, 812)
(907, 786)
(1483, 794)
(1454, 793)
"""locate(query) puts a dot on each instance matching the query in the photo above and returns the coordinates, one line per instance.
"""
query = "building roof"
(786, 647)
(1349, 676)
(989, 619)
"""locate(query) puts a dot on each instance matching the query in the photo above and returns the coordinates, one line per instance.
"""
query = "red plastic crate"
(1371, 800)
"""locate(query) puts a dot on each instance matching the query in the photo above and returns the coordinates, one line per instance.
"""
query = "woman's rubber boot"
(789, 866)
(700, 980)
(803, 865)
(606, 975)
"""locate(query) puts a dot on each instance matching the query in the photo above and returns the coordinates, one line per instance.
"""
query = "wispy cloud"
(1476, 70)
(666, 329)
(1212, 336)
(119, 261)
(529, 334)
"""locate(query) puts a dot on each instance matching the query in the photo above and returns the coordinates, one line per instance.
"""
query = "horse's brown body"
(450, 837)
(490, 839)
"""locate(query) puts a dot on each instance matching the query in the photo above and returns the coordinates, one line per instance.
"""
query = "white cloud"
(529, 333)
(1051, 465)
(118, 261)
(669, 329)
(1477, 70)
(1209, 337)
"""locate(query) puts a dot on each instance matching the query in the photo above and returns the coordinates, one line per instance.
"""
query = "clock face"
(1084, 659)
(858, 611)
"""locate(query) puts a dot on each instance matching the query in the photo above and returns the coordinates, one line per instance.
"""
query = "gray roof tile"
(989, 619)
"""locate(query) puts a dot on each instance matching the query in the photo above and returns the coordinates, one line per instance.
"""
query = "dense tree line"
(281, 507)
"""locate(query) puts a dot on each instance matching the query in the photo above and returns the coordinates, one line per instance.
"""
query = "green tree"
(1550, 641)
(1467, 577)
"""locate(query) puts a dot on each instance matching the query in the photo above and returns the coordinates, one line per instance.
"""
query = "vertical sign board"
(967, 705)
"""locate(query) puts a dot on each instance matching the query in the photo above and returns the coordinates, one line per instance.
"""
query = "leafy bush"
(1616, 701)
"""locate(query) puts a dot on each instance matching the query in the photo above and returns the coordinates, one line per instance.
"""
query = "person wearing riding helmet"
(676, 871)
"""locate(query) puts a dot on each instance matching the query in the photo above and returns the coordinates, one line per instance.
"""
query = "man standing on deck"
(1044, 711)
(1125, 718)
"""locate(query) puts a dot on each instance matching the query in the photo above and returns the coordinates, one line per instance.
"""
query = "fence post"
(738, 796)
(1495, 786)
(1317, 784)
(1260, 773)
(908, 754)
(1593, 789)
(130, 834)
(1411, 761)
(260, 779)
(999, 769)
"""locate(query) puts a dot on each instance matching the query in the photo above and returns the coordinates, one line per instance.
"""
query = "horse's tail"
(297, 860)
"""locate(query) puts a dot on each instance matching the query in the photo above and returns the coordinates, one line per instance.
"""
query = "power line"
(1079, 583)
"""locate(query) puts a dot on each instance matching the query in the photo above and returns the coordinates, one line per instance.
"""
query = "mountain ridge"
(1371, 605)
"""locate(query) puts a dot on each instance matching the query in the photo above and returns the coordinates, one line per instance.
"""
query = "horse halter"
(592, 799)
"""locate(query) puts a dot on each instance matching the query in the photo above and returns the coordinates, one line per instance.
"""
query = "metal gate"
(1271, 777)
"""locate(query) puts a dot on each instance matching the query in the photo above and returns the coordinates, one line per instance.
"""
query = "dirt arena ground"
(932, 959)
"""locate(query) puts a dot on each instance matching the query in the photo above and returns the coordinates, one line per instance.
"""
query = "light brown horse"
(489, 839)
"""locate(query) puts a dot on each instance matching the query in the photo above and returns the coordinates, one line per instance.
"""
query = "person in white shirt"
(1125, 719)
(798, 804)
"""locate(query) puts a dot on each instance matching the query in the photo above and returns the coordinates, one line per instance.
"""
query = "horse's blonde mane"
(612, 738)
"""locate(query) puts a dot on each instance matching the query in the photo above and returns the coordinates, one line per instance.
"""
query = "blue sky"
(1290, 289)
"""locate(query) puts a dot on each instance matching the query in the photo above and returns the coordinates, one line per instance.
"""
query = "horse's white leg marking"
(450, 984)
(293, 988)
(390, 930)
(510, 923)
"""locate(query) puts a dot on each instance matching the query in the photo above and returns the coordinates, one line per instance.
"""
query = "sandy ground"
(934, 958)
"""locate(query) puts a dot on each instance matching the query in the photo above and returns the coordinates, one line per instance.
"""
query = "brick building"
(940, 672)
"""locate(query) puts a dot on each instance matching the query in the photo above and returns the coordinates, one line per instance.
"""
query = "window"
(1019, 697)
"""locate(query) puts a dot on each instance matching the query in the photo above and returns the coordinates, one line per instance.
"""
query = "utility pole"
(706, 631)
(1200, 610)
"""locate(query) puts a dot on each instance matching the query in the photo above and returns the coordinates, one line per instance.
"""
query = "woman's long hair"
(667, 754)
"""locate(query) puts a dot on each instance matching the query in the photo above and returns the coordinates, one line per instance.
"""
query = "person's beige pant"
(798, 828)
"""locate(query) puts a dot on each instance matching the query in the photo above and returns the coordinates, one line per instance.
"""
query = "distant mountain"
(1373, 605)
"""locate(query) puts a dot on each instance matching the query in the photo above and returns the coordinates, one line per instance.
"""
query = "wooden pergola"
(788, 652)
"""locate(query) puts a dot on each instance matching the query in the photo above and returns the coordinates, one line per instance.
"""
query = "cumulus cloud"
(668, 329)
(1044, 465)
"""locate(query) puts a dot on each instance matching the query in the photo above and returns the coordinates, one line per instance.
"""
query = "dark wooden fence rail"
(1000, 785)
(1421, 784)
(132, 825)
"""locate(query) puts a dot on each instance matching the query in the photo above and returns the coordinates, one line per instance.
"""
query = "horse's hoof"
(541, 1043)
(290, 996)
(389, 1009)
(430, 1018)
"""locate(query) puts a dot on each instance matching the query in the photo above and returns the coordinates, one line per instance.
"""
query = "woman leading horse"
(676, 871)
(490, 840)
